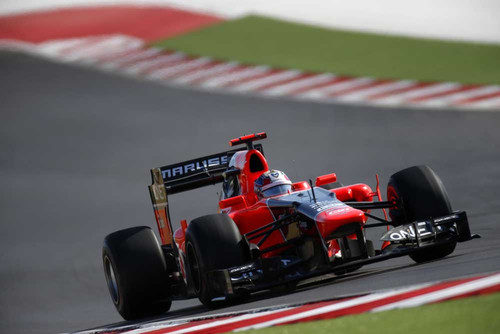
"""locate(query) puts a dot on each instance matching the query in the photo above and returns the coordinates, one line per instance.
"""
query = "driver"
(272, 183)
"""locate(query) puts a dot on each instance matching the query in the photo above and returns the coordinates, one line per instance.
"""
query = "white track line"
(320, 93)
(54, 48)
(435, 296)
(164, 65)
(473, 93)
(74, 52)
(114, 60)
(454, 97)
(289, 87)
(211, 324)
(362, 94)
(152, 327)
(492, 103)
(267, 80)
(17, 45)
(112, 45)
(414, 93)
(222, 80)
(149, 63)
(89, 49)
(127, 50)
(163, 73)
(131, 58)
(197, 75)
(334, 307)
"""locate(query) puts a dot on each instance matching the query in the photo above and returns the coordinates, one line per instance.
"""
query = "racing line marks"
(411, 296)
(131, 56)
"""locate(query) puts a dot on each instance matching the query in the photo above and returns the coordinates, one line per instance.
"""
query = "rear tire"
(423, 196)
(135, 271)
(212, 242)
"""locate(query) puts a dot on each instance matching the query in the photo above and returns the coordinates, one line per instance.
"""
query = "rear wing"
(184, 176)
(196, 173)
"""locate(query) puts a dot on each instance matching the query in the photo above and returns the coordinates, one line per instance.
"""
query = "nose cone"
(332, 219)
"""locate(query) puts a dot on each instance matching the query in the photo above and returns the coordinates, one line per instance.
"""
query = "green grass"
(261, 40)
(469, 315)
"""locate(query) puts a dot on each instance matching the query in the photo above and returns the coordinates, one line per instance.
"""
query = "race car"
(270, 232)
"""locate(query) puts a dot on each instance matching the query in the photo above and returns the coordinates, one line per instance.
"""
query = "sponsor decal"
(159, 193)
(408, 232)
(335, 212)
(242, 268)
(193, 167)
(160, 220)
(321, 206)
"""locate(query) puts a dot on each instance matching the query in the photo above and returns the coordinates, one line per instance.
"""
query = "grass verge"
(469, 315)
(282, 44)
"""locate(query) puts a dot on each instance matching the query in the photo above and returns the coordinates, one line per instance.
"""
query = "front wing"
(265, 273)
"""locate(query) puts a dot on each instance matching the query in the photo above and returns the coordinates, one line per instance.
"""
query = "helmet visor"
(277, 190)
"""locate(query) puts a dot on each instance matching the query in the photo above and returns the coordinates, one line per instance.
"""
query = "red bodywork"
(250, 213)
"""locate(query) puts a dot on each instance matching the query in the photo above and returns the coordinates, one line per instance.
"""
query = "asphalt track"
(76, 146)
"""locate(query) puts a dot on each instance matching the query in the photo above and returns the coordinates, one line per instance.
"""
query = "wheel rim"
(194, 268)
(111, 280)
(392, 195)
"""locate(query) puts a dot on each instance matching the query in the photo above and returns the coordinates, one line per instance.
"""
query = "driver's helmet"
(272, 183)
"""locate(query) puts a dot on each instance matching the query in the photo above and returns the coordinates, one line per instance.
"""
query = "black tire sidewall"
(217, 244)
(423, 196)
(140, 272)
(422, 193)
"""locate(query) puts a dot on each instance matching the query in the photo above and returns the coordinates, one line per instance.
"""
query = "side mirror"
(232, 202)
(302, 185)
(326, 179)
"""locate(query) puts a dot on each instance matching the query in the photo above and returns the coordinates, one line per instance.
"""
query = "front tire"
(424, 196)
(135, 271)
(212, 242)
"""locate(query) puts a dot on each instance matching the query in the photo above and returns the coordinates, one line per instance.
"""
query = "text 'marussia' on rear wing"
(189, 175)
(195, 173)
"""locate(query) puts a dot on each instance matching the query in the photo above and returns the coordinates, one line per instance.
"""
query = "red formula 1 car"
(270, 231)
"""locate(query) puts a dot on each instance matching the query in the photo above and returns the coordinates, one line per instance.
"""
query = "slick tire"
(135, 271)
(423, 196)
(212, 242)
